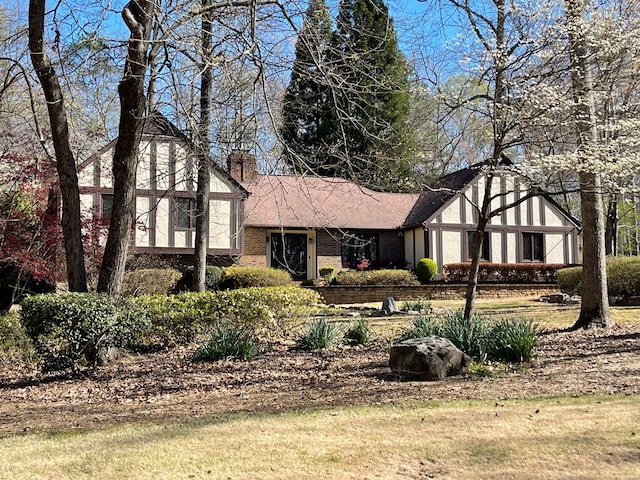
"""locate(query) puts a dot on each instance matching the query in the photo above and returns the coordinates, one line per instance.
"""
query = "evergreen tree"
(305, 128)
(369, 116)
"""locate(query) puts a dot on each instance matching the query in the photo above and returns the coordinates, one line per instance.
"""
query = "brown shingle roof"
(282, 201)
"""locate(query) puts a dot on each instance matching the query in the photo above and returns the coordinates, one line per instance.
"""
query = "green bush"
(318, 333)
(15, 344)
(376, 277)
(213, 277)
(483, 338)
(513, 340)
(269, 312)
(227, 342)
(426, 270)
(473, 339)
(623, 277)
(420, 326)
(420, 306)
(570, 280)
(359, 332)
(150, 281)
(74, 329)
(327, 272)
(245, 277)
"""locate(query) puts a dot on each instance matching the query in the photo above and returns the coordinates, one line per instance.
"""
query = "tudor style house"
(165, 195)
(304, 223)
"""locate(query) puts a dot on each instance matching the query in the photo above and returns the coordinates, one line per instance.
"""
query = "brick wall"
(328, 250)
(255, 247)
(365, 294)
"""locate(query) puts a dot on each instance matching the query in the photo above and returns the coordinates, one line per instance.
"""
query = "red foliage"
(505, 272)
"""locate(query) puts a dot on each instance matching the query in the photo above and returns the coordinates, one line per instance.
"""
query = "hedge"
(245, 277)
(73, 330)
(505, 272)
(376, 277)
(269, 312)
(623, 277)
(150, 281)
(426, 270)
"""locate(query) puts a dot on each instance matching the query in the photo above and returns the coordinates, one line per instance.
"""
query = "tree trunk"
(594, 310)
(65, 161)
(611, 226)
(472, 284)
(204, 165)
(137, 15)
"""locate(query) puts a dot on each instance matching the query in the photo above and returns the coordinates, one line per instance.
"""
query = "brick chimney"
(242, 165)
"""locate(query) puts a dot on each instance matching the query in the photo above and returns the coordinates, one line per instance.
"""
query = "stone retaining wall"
(340, 294)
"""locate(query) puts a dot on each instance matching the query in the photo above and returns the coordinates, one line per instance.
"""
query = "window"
(107, 205)
(532, 247)
(185, 213)
(359, 247)
(485, 245)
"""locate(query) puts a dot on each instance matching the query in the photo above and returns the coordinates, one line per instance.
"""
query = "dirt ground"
(169, 387)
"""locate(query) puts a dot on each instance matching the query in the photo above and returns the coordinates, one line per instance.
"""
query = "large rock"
(427, 358)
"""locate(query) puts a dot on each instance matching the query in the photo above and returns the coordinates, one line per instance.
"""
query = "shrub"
(623, 277)
(269, 312)
(244, 277)
(376, 277)
(420, 326)
(359, 332)
(483, 338)
(15, 344)
(74, 329)
(513, 340)
(426, 270)
(570, 280)
(227, 342)
(150, 281)
(212, 278)
(327, 272)
(473, 339)
(420, 306)
(505, 272)
(318, 333)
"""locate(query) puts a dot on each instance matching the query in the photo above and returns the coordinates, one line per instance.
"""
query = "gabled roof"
(439, 193)
(283, 201)
(156, 124)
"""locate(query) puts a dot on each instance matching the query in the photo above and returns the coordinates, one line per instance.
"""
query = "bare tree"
(137, 15)
(65, 160)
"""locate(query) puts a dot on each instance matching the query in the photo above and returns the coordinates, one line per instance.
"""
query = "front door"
(289, 252)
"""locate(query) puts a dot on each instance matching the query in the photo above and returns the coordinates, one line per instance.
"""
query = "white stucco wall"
(554, 247)
(162, 165)
(142, 222)
(163, 212)
(551, 216)
(451, 247)
(219, 224)
(451, 214)
(496, 247)
(512, 247)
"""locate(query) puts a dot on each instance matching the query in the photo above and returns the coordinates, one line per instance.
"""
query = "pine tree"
(369, 117)
(306, 115)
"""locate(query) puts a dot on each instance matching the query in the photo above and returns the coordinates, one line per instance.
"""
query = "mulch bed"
(167, 386)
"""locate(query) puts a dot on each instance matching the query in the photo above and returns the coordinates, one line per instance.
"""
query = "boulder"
(558, 298)
(389, 306)
(427, 358)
